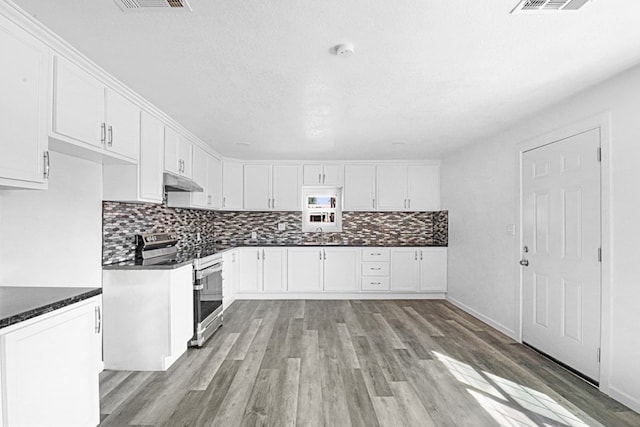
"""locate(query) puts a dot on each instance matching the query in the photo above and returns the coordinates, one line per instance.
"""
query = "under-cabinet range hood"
(173, 182)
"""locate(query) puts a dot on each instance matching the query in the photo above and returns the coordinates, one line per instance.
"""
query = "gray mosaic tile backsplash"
(121, 221)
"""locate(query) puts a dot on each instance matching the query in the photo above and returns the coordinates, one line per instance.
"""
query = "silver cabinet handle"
(47, 165)
(103, 133)
(323, 178)
(375, 254)
(209, 199)
(373, 203)
(420, 254)
(269, 203)
(375, 268)
(319, 178)
(258, 254)
(263, 257)
(416, 255)
(324, 255)
(409, 203)
(273, 203)
(320, 255)
(110, 142)
(98, 319)
(376, 283)
(224, 202)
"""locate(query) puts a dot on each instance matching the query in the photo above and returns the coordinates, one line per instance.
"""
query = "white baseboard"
(500, 327)
(624, 398)
(336, 296)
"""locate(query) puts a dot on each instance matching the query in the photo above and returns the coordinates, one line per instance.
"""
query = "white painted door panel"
(304, 270)
(340, 269)
(199, 198)
(405, 270)
(151, 158)
(433, 269)
(332, 175)
(23, 104)
(257, 187)
(391, 187)
(286, 188)
(186, 155)
(232, 185)
(359, 187)
(274, 269)
(312, 174)
(51, 370)
(172, 151)
(123, 125)
(423, 187)
(78, 110)
(561, 229)
(214, 182)
(249, 270)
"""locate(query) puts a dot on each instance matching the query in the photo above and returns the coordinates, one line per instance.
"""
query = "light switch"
(511, 229)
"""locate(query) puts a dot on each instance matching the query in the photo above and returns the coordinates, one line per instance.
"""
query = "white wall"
(54, 237)
(480, 191)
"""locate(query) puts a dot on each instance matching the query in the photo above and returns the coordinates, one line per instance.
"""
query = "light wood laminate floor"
(360, 363)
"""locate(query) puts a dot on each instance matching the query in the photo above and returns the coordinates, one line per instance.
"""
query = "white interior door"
(561, 231)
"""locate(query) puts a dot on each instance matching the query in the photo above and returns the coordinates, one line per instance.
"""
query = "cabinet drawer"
(375, 254)
(375, 283)
(375, 268)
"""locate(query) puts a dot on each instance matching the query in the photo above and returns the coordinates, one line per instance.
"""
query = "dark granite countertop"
(135, 264)
(20, 303)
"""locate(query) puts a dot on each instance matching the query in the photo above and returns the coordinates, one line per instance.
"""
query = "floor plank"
(356, 363)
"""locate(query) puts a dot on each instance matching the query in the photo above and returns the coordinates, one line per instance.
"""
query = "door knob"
(524, 262)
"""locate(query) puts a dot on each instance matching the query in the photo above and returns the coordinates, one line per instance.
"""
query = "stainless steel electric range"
(161, 249)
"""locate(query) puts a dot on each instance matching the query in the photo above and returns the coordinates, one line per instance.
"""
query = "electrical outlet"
(198, 237)
(254, 235)
(282, 226)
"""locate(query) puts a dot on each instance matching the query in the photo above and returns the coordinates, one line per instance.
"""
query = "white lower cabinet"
(229, 278)
(419, 269)
(340, 269)
(148, 317)
(49, 368)
(262, 269)
(305, 272)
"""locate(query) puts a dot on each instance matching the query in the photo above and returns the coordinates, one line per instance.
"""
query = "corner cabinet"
(23, 108)
(50, 366)
(91, 120)
(419, 269)
(208, 174)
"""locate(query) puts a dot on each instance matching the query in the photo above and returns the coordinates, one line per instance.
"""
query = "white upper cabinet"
(199, 198)
(408, 187)
(214, 182)
(257, 187)
(272, 187)
(89, 115)
(232, 185)
(23, 108)
(178, 153)
(123, 125)
(392, 187)
(322, 174)
(359, 187)
(151, 158)
(286, 188)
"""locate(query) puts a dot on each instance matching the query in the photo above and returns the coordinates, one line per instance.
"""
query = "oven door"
(207, 303)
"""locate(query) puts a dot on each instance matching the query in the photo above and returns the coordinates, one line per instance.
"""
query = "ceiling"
(428, 75)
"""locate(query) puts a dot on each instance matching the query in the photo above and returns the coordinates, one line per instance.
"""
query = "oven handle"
(215, 268)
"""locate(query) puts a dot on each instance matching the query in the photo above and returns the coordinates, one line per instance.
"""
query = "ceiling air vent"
(545, 6)
(146, 5)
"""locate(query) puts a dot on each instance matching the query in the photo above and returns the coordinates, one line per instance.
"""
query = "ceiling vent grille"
(546, 6)
(146, 5)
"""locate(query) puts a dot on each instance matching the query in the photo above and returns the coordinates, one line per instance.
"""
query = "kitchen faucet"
(319, 230)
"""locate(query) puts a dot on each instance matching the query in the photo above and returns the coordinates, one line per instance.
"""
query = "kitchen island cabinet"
(50, 364)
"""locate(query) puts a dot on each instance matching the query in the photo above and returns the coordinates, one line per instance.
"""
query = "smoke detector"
(344, 50)
(547, 6)
(147, 5)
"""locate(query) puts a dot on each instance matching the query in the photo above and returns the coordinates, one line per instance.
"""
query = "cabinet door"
(172, 162)
(257, 187)
(304, 272)
(423, 187)
(151, 158)
(51, 370)
(248, 270)
(232, 185)
(273, 269)
(405, 270)
(332, 175)
(123, 125)
(214, 182)
(340, 269)
(229, 278)
(78, 104)
(186, 155)
(391, 187)
(359, 187)
(286, 188)
(312, 174)
(23, 105)
(199, 198)
(433, 269)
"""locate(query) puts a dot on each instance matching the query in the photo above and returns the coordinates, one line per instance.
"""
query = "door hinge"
(598, 354)
(599, 154)
(599, 254)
